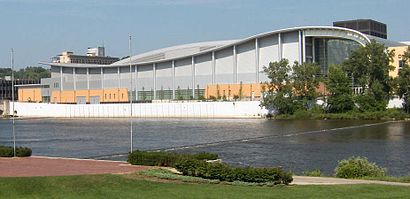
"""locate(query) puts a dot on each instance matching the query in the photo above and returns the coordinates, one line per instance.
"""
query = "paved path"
(48, 166)
(306, 180)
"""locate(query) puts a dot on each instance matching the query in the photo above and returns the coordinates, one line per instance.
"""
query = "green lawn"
(117, 186)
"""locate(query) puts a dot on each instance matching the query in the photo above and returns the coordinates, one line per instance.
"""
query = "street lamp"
(12, 101)
(131, 94)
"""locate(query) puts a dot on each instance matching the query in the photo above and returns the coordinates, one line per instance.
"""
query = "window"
(110, 95)
(401, 63)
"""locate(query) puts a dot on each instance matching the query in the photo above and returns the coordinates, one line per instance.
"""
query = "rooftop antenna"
(12, 101)
(131, 93)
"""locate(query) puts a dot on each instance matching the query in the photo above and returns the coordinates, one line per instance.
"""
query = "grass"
(118, 186)
(404, 179)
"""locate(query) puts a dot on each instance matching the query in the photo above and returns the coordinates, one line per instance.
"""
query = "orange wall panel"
(29, 95)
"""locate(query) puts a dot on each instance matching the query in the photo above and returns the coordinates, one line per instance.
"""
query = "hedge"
(166, 159)
(224, 172)
(20, 151)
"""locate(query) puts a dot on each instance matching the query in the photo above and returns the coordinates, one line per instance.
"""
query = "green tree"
(403, 81)
(338, 85)
(278, 94)
(306, 80)
(31, 72)
(369, 66)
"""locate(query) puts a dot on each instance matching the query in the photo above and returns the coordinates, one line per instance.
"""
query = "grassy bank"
(390, 114)
(129, 186)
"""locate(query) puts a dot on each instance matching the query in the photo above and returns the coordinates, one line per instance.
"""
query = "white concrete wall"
(249, 109)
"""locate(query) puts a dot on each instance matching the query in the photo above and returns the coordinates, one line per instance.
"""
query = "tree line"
(31, 72)
(295, 87)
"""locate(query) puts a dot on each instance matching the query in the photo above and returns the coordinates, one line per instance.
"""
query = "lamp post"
(131, 94)
(12, 101)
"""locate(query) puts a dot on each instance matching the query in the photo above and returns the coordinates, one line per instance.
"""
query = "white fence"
(246, 109)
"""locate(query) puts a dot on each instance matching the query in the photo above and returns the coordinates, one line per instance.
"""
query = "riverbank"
(389, 114)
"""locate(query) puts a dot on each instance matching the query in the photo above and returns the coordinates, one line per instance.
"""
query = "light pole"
(12, 101)
(131, 94)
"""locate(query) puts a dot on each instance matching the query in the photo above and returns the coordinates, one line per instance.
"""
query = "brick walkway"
(47, 166)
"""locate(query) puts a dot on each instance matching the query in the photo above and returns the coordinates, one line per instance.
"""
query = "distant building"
(366, 26)
(6, 87)
(397, 61)
(94, 56)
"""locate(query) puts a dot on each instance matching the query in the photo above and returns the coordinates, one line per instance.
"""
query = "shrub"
(23, 152)
(6, 151)
(358, 167)
(313, 173)
(20, 151)
(205, 156)
(166, 159)
(224, 172)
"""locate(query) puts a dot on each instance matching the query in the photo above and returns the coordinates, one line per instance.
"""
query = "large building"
(187, 71)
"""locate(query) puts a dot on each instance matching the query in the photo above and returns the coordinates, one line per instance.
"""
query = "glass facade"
(329, 51)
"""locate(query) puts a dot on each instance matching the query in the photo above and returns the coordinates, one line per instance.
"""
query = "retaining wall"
(248, 109)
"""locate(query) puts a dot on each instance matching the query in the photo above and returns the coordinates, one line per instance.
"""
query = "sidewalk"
(49, 166)
(306, 180)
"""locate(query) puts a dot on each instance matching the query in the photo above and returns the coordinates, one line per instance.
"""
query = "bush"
(358, 167)
(224, 172)
(205, 156)
(20, 151)
(165, 159)
(313, 173)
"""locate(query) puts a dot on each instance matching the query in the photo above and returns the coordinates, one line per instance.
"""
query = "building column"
(213, 67)
(136, 82)
(154, 75)
(303, 46)
(193, 76)
(313, 50)
(235, 66)
(257, 59)
(300, 48)
(102, 78)
(61, 79)
(280, 53)
(119, 77)
(88, 78)
(74, 80)
(173, 79)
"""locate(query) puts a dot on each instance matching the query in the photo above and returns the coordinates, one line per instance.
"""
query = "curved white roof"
(194, 49)
(175, 52)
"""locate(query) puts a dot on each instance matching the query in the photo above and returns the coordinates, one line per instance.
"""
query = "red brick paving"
(47, 166)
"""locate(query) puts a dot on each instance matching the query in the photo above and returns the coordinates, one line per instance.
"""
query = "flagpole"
(12, 101)
(131, 94)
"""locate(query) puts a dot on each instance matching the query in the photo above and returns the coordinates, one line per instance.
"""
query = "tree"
(278, 94)
(306, 80)
(403, 81)
(338, 85)
(31, 72)
(369, 66)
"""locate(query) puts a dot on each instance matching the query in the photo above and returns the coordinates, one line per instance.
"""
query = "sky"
(40, 29)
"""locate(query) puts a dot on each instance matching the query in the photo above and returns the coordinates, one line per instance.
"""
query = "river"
(296, 145)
